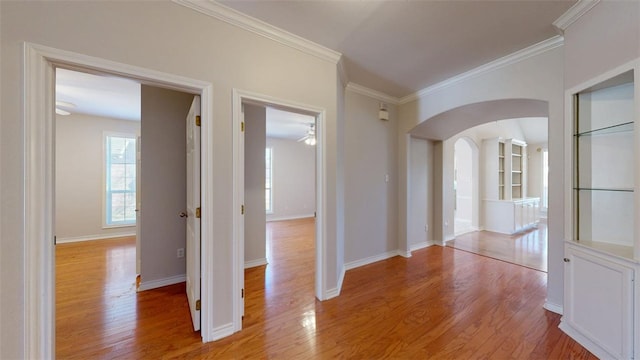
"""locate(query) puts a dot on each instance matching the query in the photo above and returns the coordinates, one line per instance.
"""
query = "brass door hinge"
(198, 305)
(197, 120)
(242, 126)
(198, 213)
(241, 209)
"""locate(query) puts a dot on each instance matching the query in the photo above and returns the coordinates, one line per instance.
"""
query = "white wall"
(80, 176)
(464, 178)
(163, 185)
(294, 171)
(538, 77)
(370, 201)
(534, 169)
(254, 182)
(162, 36)
(605, 37)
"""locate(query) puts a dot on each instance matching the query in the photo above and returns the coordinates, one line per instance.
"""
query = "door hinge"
(241, 209)
(242, 126)
(55, 240)
(197, 120)
(198, 213)
(242, 293)
(198, 305)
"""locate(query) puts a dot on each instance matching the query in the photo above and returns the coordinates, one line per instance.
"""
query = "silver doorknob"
(183, 214)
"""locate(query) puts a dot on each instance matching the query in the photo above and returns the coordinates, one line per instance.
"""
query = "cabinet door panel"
(600, 302)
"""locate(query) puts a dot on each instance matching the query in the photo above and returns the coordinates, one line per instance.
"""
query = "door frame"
(39, 138)
(240, 97)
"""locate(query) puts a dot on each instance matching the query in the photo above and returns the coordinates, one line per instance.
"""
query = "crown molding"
(343, 76)
(574, 13)
(375, 94)
(259, 27)
(510, 59)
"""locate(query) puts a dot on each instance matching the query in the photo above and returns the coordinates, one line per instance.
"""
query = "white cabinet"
(602, 238)
(511, 216)
(599, 302)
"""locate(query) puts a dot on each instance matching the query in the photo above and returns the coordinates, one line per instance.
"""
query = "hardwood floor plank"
(441, 303)
(528, 248)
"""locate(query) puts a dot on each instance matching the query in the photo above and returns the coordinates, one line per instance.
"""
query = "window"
(268, 191)
(545, 179)
(120, 171)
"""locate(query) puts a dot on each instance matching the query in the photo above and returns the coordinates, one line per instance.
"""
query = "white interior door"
(193, 212)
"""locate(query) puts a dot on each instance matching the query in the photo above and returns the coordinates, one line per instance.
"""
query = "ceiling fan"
(310, 137)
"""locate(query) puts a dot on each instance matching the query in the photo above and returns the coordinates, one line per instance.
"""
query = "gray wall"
(80, 176)
(163, 188)
(420, 193)
(254, 181)
(371, 221)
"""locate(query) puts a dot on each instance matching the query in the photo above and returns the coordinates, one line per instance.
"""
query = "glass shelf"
(623, 127)
(603, 189)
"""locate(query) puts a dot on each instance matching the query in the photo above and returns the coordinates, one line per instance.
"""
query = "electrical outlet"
(180, 253)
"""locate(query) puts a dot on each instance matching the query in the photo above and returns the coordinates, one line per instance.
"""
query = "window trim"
(105, 136)
(269, 210)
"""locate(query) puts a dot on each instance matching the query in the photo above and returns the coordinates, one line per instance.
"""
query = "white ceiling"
(400, 47)
(99, 95)
(287, 125)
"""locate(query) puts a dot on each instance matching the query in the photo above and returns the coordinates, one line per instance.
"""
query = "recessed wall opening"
(508, 189)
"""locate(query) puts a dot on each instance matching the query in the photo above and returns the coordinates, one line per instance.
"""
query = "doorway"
(262, 101)
(105, 118)
(40, 64)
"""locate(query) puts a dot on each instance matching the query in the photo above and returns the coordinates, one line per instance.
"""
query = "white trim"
(510, 59)
(240, 96)
(554, 308)
(574, 13)
(421, 245)
(370, 260)
(255, 263)
(259, 27)
(39, 89)
(221, 331)
(292, 217)
(73, 239)
(587, 343)
(374, 94)
(154, 284)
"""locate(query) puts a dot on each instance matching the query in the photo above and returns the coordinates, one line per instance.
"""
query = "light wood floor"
(439, 304)
(528, 248)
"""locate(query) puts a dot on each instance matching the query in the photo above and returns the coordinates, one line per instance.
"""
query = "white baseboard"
(421, 245)
(371, 259)
(72, 239)
(587, 343)
(471, 229)
(291, 217)
(254, 263)
(555, 308)
(220, 332)
(154, 284)
(335, 292)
